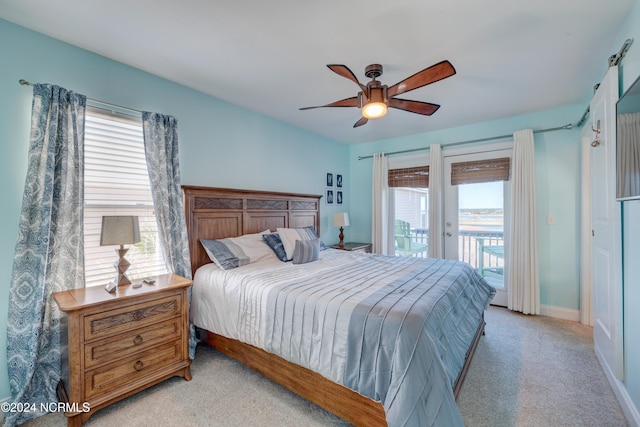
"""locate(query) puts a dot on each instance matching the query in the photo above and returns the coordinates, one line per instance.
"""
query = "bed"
(278, 331)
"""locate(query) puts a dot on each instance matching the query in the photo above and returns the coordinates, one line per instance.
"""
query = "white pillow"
(290, 235)
(256, 236)
(254, 246)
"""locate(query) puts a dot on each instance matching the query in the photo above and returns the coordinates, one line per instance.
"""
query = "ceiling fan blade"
(344, 71)
(424, 108)
(436, 72)
(348, 102)
(362, 121)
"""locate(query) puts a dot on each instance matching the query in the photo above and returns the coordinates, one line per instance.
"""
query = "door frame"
(586, 281)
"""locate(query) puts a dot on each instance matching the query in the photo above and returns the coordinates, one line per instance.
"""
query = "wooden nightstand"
(121, 343)
(352, 246)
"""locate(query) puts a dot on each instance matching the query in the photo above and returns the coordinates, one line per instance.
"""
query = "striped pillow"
(306, 251)
(274, 242)
(234, 252)
(225, 253)
(290, 235)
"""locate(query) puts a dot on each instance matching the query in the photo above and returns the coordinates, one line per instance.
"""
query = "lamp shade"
(119, 230)
(341, 219)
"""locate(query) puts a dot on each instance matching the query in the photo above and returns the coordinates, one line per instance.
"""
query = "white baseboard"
(560, 312)
(628, 407)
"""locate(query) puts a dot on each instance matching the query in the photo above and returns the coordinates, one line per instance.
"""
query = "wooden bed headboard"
(218, 213)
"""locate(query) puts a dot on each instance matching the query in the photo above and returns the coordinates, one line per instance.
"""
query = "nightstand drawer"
(138, 340)
(113, 376)
(131, 317)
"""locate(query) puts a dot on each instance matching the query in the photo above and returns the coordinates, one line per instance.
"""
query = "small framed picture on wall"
(329, 198)
(339, 180)
(329, 180)
(338, 197)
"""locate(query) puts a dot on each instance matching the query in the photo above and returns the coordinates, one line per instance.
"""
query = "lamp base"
(121, 267)
(341, 244)
(123, 279)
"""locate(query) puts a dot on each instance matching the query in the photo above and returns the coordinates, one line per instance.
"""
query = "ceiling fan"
(375, 98)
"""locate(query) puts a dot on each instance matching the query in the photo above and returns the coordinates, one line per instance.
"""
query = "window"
(408, 181)
(116, 182)
(410, 188)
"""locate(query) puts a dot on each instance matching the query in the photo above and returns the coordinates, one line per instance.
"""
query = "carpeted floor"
(537, 371)
(527, 371)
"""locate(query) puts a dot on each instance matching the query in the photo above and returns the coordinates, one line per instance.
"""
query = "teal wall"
(629, 72)
(220, 144)
(227, 146)
(558, 186)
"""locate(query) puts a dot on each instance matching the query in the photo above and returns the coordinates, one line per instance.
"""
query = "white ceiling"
(511, 56)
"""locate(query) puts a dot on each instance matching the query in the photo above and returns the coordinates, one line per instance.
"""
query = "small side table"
(354, 246)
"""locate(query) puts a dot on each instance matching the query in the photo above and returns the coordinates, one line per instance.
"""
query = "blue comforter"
(405, 337)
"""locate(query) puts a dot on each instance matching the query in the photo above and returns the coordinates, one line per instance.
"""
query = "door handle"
(448, 234)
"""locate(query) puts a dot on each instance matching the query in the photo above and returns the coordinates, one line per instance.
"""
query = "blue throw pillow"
(306, 251)
(274, 242)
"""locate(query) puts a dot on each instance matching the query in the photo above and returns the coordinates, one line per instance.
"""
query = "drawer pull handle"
(137, 340)
(138, 365)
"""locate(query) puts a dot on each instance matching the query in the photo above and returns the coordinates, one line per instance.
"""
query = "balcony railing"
(483, 250)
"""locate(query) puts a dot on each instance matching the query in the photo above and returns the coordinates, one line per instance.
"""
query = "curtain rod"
(452, 144)
(136, 113)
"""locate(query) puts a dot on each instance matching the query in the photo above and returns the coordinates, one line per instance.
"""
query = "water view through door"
(475, 224)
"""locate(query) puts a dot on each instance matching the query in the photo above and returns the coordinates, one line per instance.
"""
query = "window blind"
(415, 177)
(116, 182)
(480, 171)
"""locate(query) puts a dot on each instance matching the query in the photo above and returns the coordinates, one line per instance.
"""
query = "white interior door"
(476, 222)
(606, 254)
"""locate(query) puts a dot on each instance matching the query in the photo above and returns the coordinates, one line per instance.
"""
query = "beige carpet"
(537, 371)
(527, 371)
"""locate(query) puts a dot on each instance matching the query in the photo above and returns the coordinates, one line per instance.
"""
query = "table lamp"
(120, 230)
(341, 220)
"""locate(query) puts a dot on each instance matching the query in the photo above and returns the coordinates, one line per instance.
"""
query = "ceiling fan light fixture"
(374, 98)
(376, 107)
(374, 110)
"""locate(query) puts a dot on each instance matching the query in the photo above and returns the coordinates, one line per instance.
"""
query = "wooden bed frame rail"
(339, 400)
(216, 213)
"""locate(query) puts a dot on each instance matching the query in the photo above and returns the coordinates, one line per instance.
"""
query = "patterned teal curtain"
(161, 149)
(49, 252)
